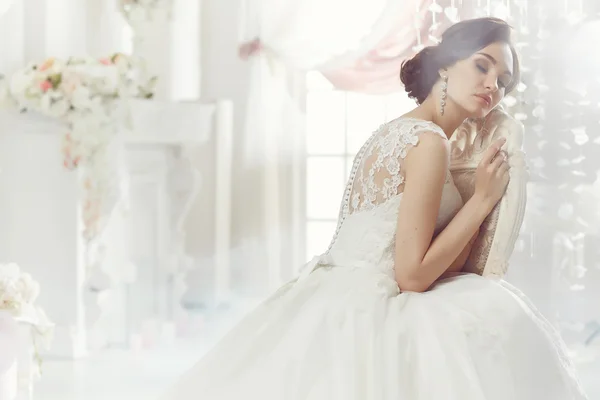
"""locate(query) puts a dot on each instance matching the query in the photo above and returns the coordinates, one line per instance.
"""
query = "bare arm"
(458, 264)
(420, 259)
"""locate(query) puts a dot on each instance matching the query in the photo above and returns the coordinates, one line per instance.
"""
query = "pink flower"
(105, 61)
(248, 49)
(45, 86)
(46, 64)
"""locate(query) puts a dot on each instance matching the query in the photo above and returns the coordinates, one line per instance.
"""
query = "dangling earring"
(444, 93)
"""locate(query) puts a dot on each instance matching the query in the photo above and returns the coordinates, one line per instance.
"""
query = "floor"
(117, 375)
(125, 375)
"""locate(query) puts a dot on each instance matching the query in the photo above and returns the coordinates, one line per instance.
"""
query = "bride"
(385, 313)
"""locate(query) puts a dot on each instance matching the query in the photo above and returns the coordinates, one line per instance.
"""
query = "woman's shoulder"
(396, 137)
(406, 130)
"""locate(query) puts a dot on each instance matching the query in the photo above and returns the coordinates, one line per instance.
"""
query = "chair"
(498, 234)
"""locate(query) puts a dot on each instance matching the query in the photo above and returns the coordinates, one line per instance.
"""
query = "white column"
(34, 29)
(66, 28)
(57, 29)
(12, 50)
(186, 57)
(224, 145)
(106, 28)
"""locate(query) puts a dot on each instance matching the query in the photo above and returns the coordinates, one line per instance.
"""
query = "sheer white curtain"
(293, 37)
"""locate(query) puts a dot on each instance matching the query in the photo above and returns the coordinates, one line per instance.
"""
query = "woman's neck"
(429, 111)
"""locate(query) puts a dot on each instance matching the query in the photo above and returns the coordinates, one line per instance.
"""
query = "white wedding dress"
(344, 331)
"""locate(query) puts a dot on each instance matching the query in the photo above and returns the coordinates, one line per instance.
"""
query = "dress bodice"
(365, 234)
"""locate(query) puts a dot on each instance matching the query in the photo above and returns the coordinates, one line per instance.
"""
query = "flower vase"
(8, 356)
(8, 383)
(26, 366)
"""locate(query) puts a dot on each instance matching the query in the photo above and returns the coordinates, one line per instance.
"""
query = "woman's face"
(478, 83)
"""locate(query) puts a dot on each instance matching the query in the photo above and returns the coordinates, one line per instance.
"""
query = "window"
(337, 125)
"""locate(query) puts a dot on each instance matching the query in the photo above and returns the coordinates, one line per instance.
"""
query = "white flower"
(71, 80)
(28, 288)
(10, 271)
(60, 107)
(81, 98)
(10, 296)
(19, 82)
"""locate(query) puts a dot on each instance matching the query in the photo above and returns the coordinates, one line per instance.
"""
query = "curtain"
(359, 45)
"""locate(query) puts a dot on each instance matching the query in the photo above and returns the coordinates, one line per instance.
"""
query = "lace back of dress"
(380, 175)
(377, 174)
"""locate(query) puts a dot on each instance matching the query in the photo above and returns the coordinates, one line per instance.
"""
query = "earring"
(444, 93)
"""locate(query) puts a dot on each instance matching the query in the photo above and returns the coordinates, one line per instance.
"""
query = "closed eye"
(484, 70)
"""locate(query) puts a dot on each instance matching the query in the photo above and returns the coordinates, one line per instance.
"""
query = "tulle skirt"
(349, 334)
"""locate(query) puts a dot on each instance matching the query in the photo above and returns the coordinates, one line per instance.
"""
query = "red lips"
(486, 98)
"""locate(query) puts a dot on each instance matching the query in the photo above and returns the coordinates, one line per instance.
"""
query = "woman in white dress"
(385, 313)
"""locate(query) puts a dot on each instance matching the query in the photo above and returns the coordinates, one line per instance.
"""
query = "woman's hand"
(491, 177)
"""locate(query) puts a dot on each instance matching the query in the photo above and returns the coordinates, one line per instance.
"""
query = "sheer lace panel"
(378, 174)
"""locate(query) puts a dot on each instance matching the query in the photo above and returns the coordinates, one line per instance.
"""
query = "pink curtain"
(418, 23)
(378, 71)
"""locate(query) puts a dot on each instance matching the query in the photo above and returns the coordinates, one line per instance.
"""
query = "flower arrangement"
(18, 290)
(88, 94)
(136, 11)
(88, 86)
(18, 293)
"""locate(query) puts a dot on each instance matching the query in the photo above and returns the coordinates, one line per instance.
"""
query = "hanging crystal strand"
(524, 16)
(417, 23)
(455, 12)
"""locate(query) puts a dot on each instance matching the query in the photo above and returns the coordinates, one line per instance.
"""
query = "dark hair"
(459, 42)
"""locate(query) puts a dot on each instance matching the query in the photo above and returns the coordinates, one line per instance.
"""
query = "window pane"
(316, 82)
(318, 237)
(325, 123)
(365, 114)
(398, 104)
(324, 186)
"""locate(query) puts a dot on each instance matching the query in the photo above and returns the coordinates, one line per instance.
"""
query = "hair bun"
(420, 73)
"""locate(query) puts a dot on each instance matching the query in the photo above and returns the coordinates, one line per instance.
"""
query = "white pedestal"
(145, 263)
(16, 382)
(163, 186)
(39, 222)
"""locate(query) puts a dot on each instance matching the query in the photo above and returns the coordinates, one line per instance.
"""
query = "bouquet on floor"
(18, 294)
(89, 95)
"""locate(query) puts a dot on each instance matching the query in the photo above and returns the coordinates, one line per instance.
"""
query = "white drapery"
(287, 39)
